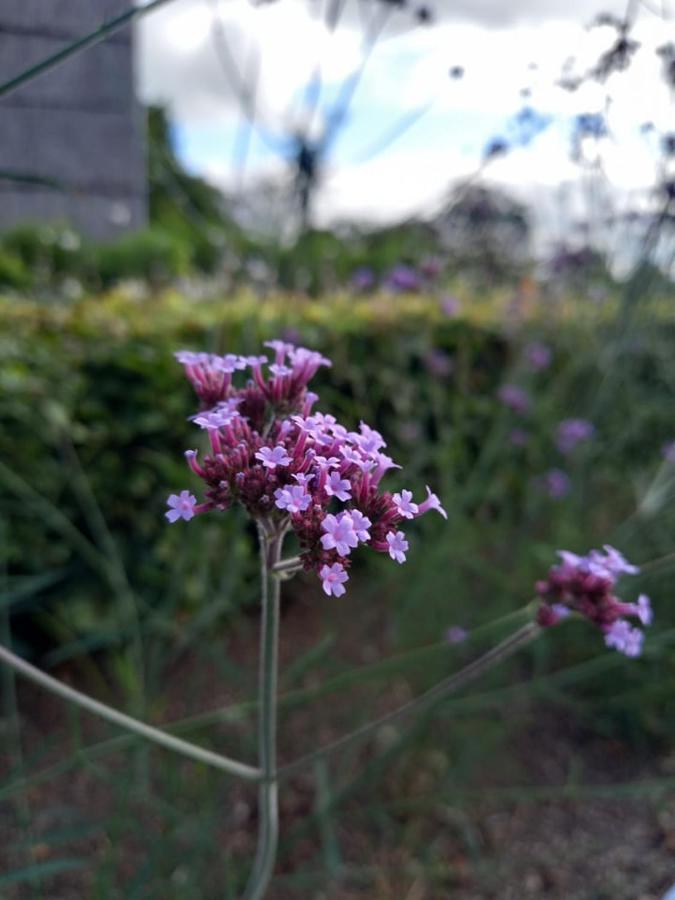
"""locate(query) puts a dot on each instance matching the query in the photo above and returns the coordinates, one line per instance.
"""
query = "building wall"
(78, 126)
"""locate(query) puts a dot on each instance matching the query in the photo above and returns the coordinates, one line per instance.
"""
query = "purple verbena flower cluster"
(290, 466)
(585, 585)
(515, 398)
(571, 432)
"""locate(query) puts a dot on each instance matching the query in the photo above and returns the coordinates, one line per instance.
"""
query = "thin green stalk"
(268, 801)
(469, 673)
(155, 735)
(93, 37)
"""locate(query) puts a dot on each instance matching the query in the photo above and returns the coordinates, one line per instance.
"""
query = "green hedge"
(93, 416)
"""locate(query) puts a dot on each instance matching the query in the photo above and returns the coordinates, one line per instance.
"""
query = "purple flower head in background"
(555, 483)
(456, 634)
(438, 363)
(515, 398)
(538, 355)
(431, 267)
(291, 466)
(363, 279)
(404, 280)
(586, 585)
(450, 306)
(668, 452)
(571, 432)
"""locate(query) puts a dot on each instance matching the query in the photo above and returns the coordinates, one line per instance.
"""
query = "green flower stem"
(292, 564)
(98, 34)
(268, 806)
(224, 763)
(473, 670)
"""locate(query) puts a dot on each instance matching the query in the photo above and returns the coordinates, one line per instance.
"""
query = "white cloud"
(495, 42)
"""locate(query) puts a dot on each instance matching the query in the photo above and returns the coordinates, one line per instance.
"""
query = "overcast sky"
(504, 47)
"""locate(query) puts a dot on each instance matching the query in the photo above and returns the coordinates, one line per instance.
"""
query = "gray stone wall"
(78, 126)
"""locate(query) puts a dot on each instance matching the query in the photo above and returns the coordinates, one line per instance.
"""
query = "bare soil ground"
(524, 825)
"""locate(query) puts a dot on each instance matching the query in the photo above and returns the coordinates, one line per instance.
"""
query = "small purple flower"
(556, 483)
(456, 634)
(613, 562)
(397, 546)
(644, 610)
(515, 398)
(363, 279)
(450, 306)
(369, 440)
(333, 579)
(361, 524)
(340, 534)
(668, 452)
(302, 478)
(538, 355)
(432, 502)
(181, 506)
(327, 462)
(404, 504)
(403, 279)
(337, 487)
(438, 363)
(293, 499)
(271, 457)
(624, 638)
(571, 432)
(279, 371)
(281, 348)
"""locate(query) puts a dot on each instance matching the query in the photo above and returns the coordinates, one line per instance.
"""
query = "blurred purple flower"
(403, 279)
(438, 363)
(363, 279)
(450, 306)
(516, 398)
(586, 585)
(456, 634)
(571, 432)
(538, 355)
(431, 267)
(668, 452)
(556, 483)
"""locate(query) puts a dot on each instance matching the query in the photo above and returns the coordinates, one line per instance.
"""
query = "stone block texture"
(72, 139)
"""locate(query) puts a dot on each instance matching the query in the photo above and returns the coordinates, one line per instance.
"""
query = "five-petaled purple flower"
(340, 534)
(336, 486)
(397, 546)
(404, 504)
(333, 578)
(181, 506)
(271, 457)
(293, 499)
